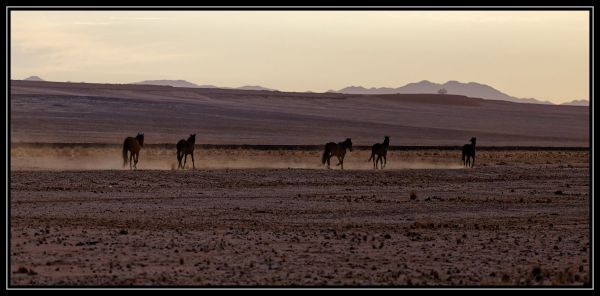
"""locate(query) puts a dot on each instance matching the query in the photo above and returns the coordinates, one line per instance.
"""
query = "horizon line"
(542, 101)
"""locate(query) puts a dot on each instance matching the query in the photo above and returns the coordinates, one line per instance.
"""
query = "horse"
(381, 150)
(185, 147)
(468, 150)
(338, 150)
(134, 145)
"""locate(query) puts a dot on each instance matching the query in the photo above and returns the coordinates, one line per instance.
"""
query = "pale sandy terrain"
(107, 113)
(518, 218)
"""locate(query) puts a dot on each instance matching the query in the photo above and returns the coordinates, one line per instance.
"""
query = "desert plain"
(276, 216)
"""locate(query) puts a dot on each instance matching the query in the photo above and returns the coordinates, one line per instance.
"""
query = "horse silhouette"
(185, 147)
(134, 145)
(380, 149)
(338, 150)
(468, 150)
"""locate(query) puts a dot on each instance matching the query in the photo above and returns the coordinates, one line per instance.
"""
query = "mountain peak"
(425, 82)
(34, 78)
(254, 87)
(470, 89)
(165, 82)
(577, 103)
(184, 83)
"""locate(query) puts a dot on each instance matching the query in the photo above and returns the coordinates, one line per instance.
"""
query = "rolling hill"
(106, 113)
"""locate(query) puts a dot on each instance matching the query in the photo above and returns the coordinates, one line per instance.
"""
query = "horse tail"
(179, 153)
(324, 157)
(125, 153)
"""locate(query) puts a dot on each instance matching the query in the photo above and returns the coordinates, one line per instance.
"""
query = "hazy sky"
(539, 54)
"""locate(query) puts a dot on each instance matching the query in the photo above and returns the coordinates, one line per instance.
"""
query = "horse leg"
(130, 161)
(184, 161)
(125, 160)
(137, 156)
(473, 163)
(384, 160)
(341, 162)
(328, 157)
(193, 165)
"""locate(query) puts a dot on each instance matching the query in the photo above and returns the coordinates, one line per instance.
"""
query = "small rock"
(413, 195)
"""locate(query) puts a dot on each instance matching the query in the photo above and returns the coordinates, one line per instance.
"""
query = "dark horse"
(468, 150)
(338, 150)
(134, 145)
(381, 150)
(184, 148)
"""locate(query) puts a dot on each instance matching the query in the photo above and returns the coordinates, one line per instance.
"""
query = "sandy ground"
(517, 218)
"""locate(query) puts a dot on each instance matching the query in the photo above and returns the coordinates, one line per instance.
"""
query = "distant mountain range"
(34, 78)
(183, 83)
(174, 83)
(577, 103)
(471, 89)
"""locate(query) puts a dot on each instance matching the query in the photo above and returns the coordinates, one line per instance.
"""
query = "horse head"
(140, 138)
(348, 144)
(473, 140)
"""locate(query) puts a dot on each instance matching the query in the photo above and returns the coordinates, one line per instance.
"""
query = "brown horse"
(134, 145)
(381, 150)
(338, 150)
(468, 151)
(184, 148)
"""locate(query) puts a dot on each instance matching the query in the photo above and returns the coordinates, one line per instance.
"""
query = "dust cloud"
(105, 158)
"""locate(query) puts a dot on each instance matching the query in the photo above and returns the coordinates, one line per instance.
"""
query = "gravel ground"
(504, 222)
